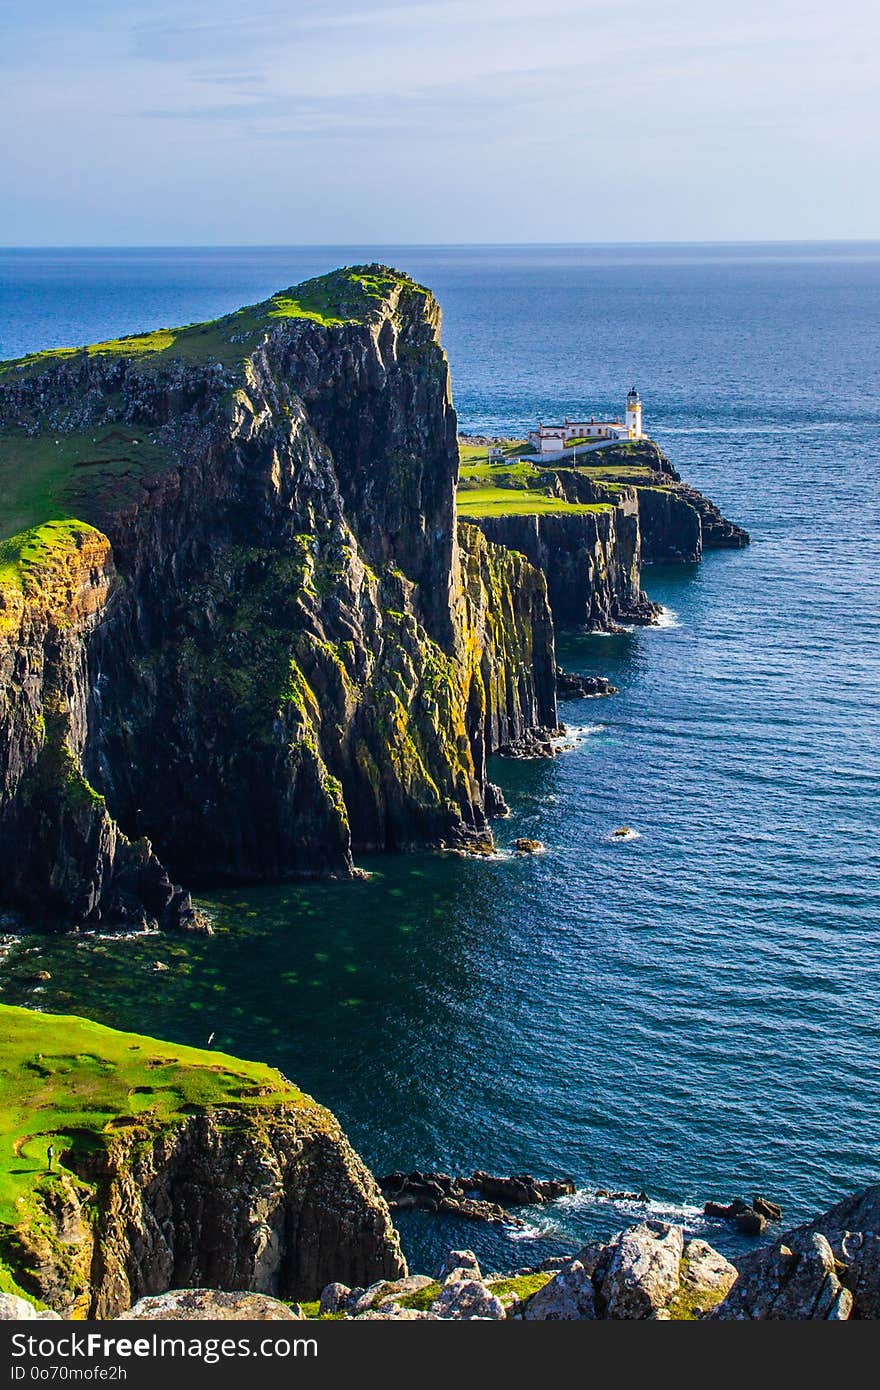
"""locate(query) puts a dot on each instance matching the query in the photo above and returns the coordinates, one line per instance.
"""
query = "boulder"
(334, 1298)
(859, 1253)
(706, 1278)
(362, 1300)
(643, 1272)
(462, 1299)
(566, 1298)
(456, 1260)
(13, 1308)
(210, 1305)
(789, 1284)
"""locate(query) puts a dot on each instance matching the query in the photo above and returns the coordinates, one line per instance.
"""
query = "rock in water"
(209, 1305)
(570, 686)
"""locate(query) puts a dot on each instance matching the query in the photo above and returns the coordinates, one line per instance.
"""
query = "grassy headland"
(71, 1083)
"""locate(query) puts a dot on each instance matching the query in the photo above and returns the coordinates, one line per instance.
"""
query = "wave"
(585, 1199)
(559, 1219)
(582, 731)
(668, 618)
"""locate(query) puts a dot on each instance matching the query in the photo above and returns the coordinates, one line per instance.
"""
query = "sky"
(234, 122)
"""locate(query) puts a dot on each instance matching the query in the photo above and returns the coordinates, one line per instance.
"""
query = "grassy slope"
(71, 1083)
(59, 477)
(509, 501)
(51, 480)
(343, 296)
(515, 487)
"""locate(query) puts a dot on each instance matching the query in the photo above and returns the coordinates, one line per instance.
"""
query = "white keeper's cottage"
(552, 439)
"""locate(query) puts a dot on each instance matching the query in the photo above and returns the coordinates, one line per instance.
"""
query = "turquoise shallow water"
(694, 1011)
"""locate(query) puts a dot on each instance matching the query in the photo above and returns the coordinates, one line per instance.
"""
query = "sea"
(691, 1012)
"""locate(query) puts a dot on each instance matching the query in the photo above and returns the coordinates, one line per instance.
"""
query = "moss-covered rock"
(275, 649)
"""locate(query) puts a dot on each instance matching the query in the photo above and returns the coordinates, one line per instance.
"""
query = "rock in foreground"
(209, 1305)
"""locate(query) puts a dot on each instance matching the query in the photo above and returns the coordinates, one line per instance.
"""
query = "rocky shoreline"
(827, 1270)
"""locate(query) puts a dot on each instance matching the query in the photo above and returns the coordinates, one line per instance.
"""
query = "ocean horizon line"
(747, 243)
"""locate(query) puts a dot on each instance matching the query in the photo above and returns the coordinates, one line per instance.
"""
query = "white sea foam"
(582, 731)
(668, 618)
(535, 1230)
(586, 1198)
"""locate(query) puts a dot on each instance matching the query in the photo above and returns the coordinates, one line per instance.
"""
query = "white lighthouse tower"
(633, 415)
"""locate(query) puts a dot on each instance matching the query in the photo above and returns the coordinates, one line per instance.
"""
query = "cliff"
(173, 1167)
(239, 634)
(590, 526)
(592, 561)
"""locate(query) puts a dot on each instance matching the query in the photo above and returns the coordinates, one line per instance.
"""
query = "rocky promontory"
(590, 525)
(172, 1168)
(241, 636)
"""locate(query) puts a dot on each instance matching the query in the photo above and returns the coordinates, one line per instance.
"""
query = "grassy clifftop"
(53, 478)
(350, 295)
(73, 1084)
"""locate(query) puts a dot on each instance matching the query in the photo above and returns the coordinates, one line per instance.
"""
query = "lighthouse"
(633, 415)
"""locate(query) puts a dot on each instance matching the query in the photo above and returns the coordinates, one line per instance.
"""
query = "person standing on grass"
(50, 1154)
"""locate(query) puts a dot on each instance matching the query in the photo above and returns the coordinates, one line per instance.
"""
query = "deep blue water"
(695, 1011)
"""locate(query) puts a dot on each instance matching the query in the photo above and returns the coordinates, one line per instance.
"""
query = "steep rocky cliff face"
(592, 561)
(590, 527)
(266, 649)
(174, 1168)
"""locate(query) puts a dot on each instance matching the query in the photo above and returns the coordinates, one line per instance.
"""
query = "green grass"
(506, 501)
(351, 295)
(625, 471)
(57, 477)
(515, 474)
(478, 453)
(37, 547)
(422, 1299)
(72, 1083)
(519, 1286)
